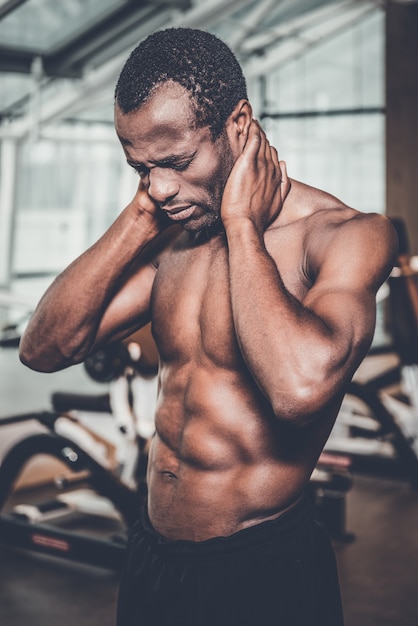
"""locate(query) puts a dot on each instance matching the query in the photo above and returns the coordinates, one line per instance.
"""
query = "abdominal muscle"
(218, 462)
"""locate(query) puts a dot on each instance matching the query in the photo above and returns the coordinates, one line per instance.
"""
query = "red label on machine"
(51, 542)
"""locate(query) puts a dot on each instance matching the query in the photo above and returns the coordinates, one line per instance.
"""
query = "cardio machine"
(102, 484)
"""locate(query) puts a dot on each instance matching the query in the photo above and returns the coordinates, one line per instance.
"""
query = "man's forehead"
(169, 102)
(161, 141)
(160, 130)
(171, 98)
(168, 110)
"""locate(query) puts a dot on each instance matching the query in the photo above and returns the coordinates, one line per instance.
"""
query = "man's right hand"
(68, 322)
(145, 206)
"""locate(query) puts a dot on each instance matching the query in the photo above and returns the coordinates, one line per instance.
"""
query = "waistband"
(284, 528)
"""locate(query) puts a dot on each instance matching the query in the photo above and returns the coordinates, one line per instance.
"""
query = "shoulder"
(339, 238)
(336, 225)
(344, 240)
(343, 222)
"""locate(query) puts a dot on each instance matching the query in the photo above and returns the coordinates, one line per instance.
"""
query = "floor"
(378, 570)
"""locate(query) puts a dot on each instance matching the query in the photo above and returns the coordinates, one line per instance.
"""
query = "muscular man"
(261, 292)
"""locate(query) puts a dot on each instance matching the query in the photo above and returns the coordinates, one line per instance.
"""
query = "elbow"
(48, 347)
(27, 355)
(45, 359)
(297, 408)
(303, 402)
(34, 359)
(312, 386)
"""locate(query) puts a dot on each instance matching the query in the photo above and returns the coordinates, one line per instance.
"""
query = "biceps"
(349, 316)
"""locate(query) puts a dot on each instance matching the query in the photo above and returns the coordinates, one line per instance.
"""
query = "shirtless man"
(261, 292)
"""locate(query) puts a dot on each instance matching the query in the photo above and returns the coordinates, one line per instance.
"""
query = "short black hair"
(197, 60)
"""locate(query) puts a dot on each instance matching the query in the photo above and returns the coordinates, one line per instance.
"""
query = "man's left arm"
(301, 353)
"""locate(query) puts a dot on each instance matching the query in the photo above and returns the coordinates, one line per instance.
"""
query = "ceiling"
(60, 60)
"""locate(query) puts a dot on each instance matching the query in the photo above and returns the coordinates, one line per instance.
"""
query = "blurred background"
(335, 85)
(333, 81)
(320, 74)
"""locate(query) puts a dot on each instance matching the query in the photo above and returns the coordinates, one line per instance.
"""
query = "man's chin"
(209, 224)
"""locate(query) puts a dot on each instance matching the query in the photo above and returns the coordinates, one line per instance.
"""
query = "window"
(327, 114)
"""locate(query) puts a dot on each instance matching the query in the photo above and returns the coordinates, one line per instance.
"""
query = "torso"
(220, 459)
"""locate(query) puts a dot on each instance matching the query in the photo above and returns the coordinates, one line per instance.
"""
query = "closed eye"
(175, 163)
(179, 167)
(140, 169)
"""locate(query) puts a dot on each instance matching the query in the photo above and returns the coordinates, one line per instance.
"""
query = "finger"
(285, 182)
(264, 151)
(144, 198)
(283, 169)
(275, 159)
(272, 161)
(254, 140)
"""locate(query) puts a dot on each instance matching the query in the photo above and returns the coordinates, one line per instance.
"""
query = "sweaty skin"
(261, 293)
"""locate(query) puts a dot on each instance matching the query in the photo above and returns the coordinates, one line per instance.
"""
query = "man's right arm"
(103, 295)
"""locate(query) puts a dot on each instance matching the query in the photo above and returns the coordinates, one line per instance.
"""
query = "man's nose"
(163, 185)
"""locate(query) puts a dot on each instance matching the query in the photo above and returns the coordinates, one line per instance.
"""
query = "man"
(261, 292)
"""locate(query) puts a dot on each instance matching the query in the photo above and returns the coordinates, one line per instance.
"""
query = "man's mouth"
(180, 213)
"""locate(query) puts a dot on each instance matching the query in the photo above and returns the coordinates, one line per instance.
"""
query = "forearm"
(289, 350)
(64, 325)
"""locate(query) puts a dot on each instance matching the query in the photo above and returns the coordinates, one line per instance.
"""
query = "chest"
(191, 303)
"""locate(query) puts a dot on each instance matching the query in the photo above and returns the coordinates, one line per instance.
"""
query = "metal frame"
(70, 58)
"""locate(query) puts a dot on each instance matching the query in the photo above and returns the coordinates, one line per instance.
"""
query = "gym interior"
(335, 85)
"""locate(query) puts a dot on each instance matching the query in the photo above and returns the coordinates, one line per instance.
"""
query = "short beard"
(211, 220)
(216, 227)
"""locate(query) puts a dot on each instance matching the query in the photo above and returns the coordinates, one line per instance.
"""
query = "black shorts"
(277, 573)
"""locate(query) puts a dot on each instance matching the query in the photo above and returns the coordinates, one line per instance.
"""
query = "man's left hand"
(258, 182)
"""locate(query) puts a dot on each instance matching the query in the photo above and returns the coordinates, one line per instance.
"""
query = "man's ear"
(238, 124)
